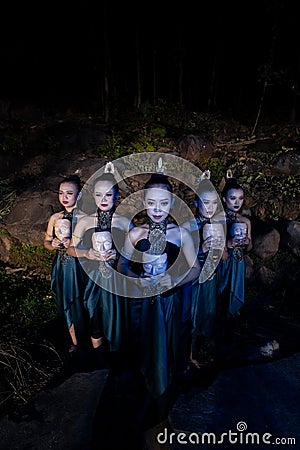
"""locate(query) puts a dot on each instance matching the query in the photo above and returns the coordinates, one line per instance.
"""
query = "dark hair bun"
(159, 179)
(73, 178)
(231, 183)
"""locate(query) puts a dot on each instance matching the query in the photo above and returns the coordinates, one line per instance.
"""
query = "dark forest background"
(211, 60)
(107, 56)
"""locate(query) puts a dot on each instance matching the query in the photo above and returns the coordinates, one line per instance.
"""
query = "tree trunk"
(138, 71)
(154, 75)
(106, 66)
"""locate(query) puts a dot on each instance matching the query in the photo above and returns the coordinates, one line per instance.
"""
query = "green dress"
(67, 284)
(231, 273)
(204, 305)
(106, 309)
(157, 328)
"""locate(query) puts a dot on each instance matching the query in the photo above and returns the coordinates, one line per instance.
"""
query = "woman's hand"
(245, 241)
(207, 244)
(57, 243)
(109, 254)
(164, 280)
(234, 242)
(154, 285)
(101, 256)
(65, 242)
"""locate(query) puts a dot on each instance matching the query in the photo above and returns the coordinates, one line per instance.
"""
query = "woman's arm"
(188, 248)
(76, 239)
(83, 225)
(247, 242)
(127, 251)
(50, 242)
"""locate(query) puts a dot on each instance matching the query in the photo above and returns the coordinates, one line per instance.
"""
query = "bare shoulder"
(137, 233)
(121, 222)
(177, 234)
(184, 231)
(86, 220)
(219, 217)
(244, 219)
(56, 216)
(186, 225)
(80, 214)
(84, 223)
(190, 225)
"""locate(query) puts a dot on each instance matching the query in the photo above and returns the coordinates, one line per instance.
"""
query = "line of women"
(143, 294)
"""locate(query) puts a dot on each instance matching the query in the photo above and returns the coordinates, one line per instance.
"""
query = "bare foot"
(195, 363)
(73, 348)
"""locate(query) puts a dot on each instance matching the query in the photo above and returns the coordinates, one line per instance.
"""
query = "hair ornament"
(229, 174)
(109, 168)
(205, 175)
(228, 178)
(160, 166)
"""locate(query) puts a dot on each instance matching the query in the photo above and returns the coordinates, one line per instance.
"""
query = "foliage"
(21, 374)
(36, 258)
(218, 168)
(137, 138)
(113, 147)
(268, 195)
(13, 143)
(26, 304)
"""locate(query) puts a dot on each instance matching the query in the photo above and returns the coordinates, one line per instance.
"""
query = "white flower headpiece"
(109, 168)
(229, 174)
(160, 166)
(205, 175)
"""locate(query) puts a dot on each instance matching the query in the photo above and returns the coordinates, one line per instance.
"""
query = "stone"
(265, 240)
(259, 398)
(60, 418)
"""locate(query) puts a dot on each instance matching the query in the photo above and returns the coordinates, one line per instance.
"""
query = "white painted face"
(62, 229)
(157, 202)
(234, 199)
(208, 203)
(154, 264)
(67, 195)
(104, 195)
(102, 241)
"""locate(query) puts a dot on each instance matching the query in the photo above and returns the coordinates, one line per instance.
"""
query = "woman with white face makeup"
(161, 257)
(66, 275)
(207, 230)
(95, 241)
(231, 273)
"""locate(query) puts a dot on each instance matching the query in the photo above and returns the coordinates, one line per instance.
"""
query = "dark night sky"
(54, 50)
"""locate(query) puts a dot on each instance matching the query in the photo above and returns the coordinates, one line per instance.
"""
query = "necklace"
(104, 219)
(230, 215)
(201, 220)
(157, 236)
(68, 214)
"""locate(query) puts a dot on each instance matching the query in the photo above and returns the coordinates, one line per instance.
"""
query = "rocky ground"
(255, 378)
(254, 385)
